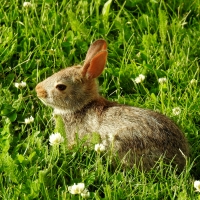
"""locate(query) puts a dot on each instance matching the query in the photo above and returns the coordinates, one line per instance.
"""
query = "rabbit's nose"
(41, 92)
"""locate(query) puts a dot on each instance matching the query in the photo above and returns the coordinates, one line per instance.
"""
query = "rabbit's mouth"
(47, 101)
(51, 103)
(44, 102)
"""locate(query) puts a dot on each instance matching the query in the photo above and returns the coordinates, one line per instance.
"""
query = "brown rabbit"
(135, 133)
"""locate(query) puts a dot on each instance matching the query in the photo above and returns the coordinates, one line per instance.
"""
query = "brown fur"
(136, 134)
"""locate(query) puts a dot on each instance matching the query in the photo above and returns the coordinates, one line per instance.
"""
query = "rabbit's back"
(144, 133)
(141, 132)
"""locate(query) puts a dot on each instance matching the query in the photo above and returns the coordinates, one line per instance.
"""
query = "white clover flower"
(16, 85)
(162, 80)
(20, 85)
(55, 139)
(23, 84)
(27, 4)
(76, 189)
(85, 193)
(176, 111)
(140, 78)
(193, 82)
(99, 147)
(197, 185)
(29, 120)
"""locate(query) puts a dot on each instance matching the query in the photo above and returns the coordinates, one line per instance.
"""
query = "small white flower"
(193, 82)
(140, 78)
(27, 4)
(85, 193)
(197, 185)
(176, 111)
(20, 85)
(29, 120)
(162, 80)
(16, 85)
(23, 84)
(76, 189)
(55, 139)
(99, 147)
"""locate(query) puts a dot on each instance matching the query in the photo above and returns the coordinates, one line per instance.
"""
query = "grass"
(155, 38)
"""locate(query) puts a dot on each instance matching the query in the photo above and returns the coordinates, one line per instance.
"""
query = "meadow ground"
(159, 39)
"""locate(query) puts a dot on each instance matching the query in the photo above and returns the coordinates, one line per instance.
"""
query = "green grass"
(155, 38)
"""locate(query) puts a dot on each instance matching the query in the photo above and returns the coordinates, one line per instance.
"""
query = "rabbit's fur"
(135, 133)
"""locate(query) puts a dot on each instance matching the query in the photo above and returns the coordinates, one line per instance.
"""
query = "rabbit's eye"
(61, 87)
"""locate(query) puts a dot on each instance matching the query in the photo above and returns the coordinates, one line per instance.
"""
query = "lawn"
(156, 38)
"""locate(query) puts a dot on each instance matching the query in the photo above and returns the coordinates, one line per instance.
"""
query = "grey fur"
(134, 132)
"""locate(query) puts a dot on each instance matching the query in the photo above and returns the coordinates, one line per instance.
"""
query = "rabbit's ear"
(96, 65)
(97, 46)
(95, 59)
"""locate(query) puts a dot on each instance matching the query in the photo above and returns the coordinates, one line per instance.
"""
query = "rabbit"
(137, 135)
